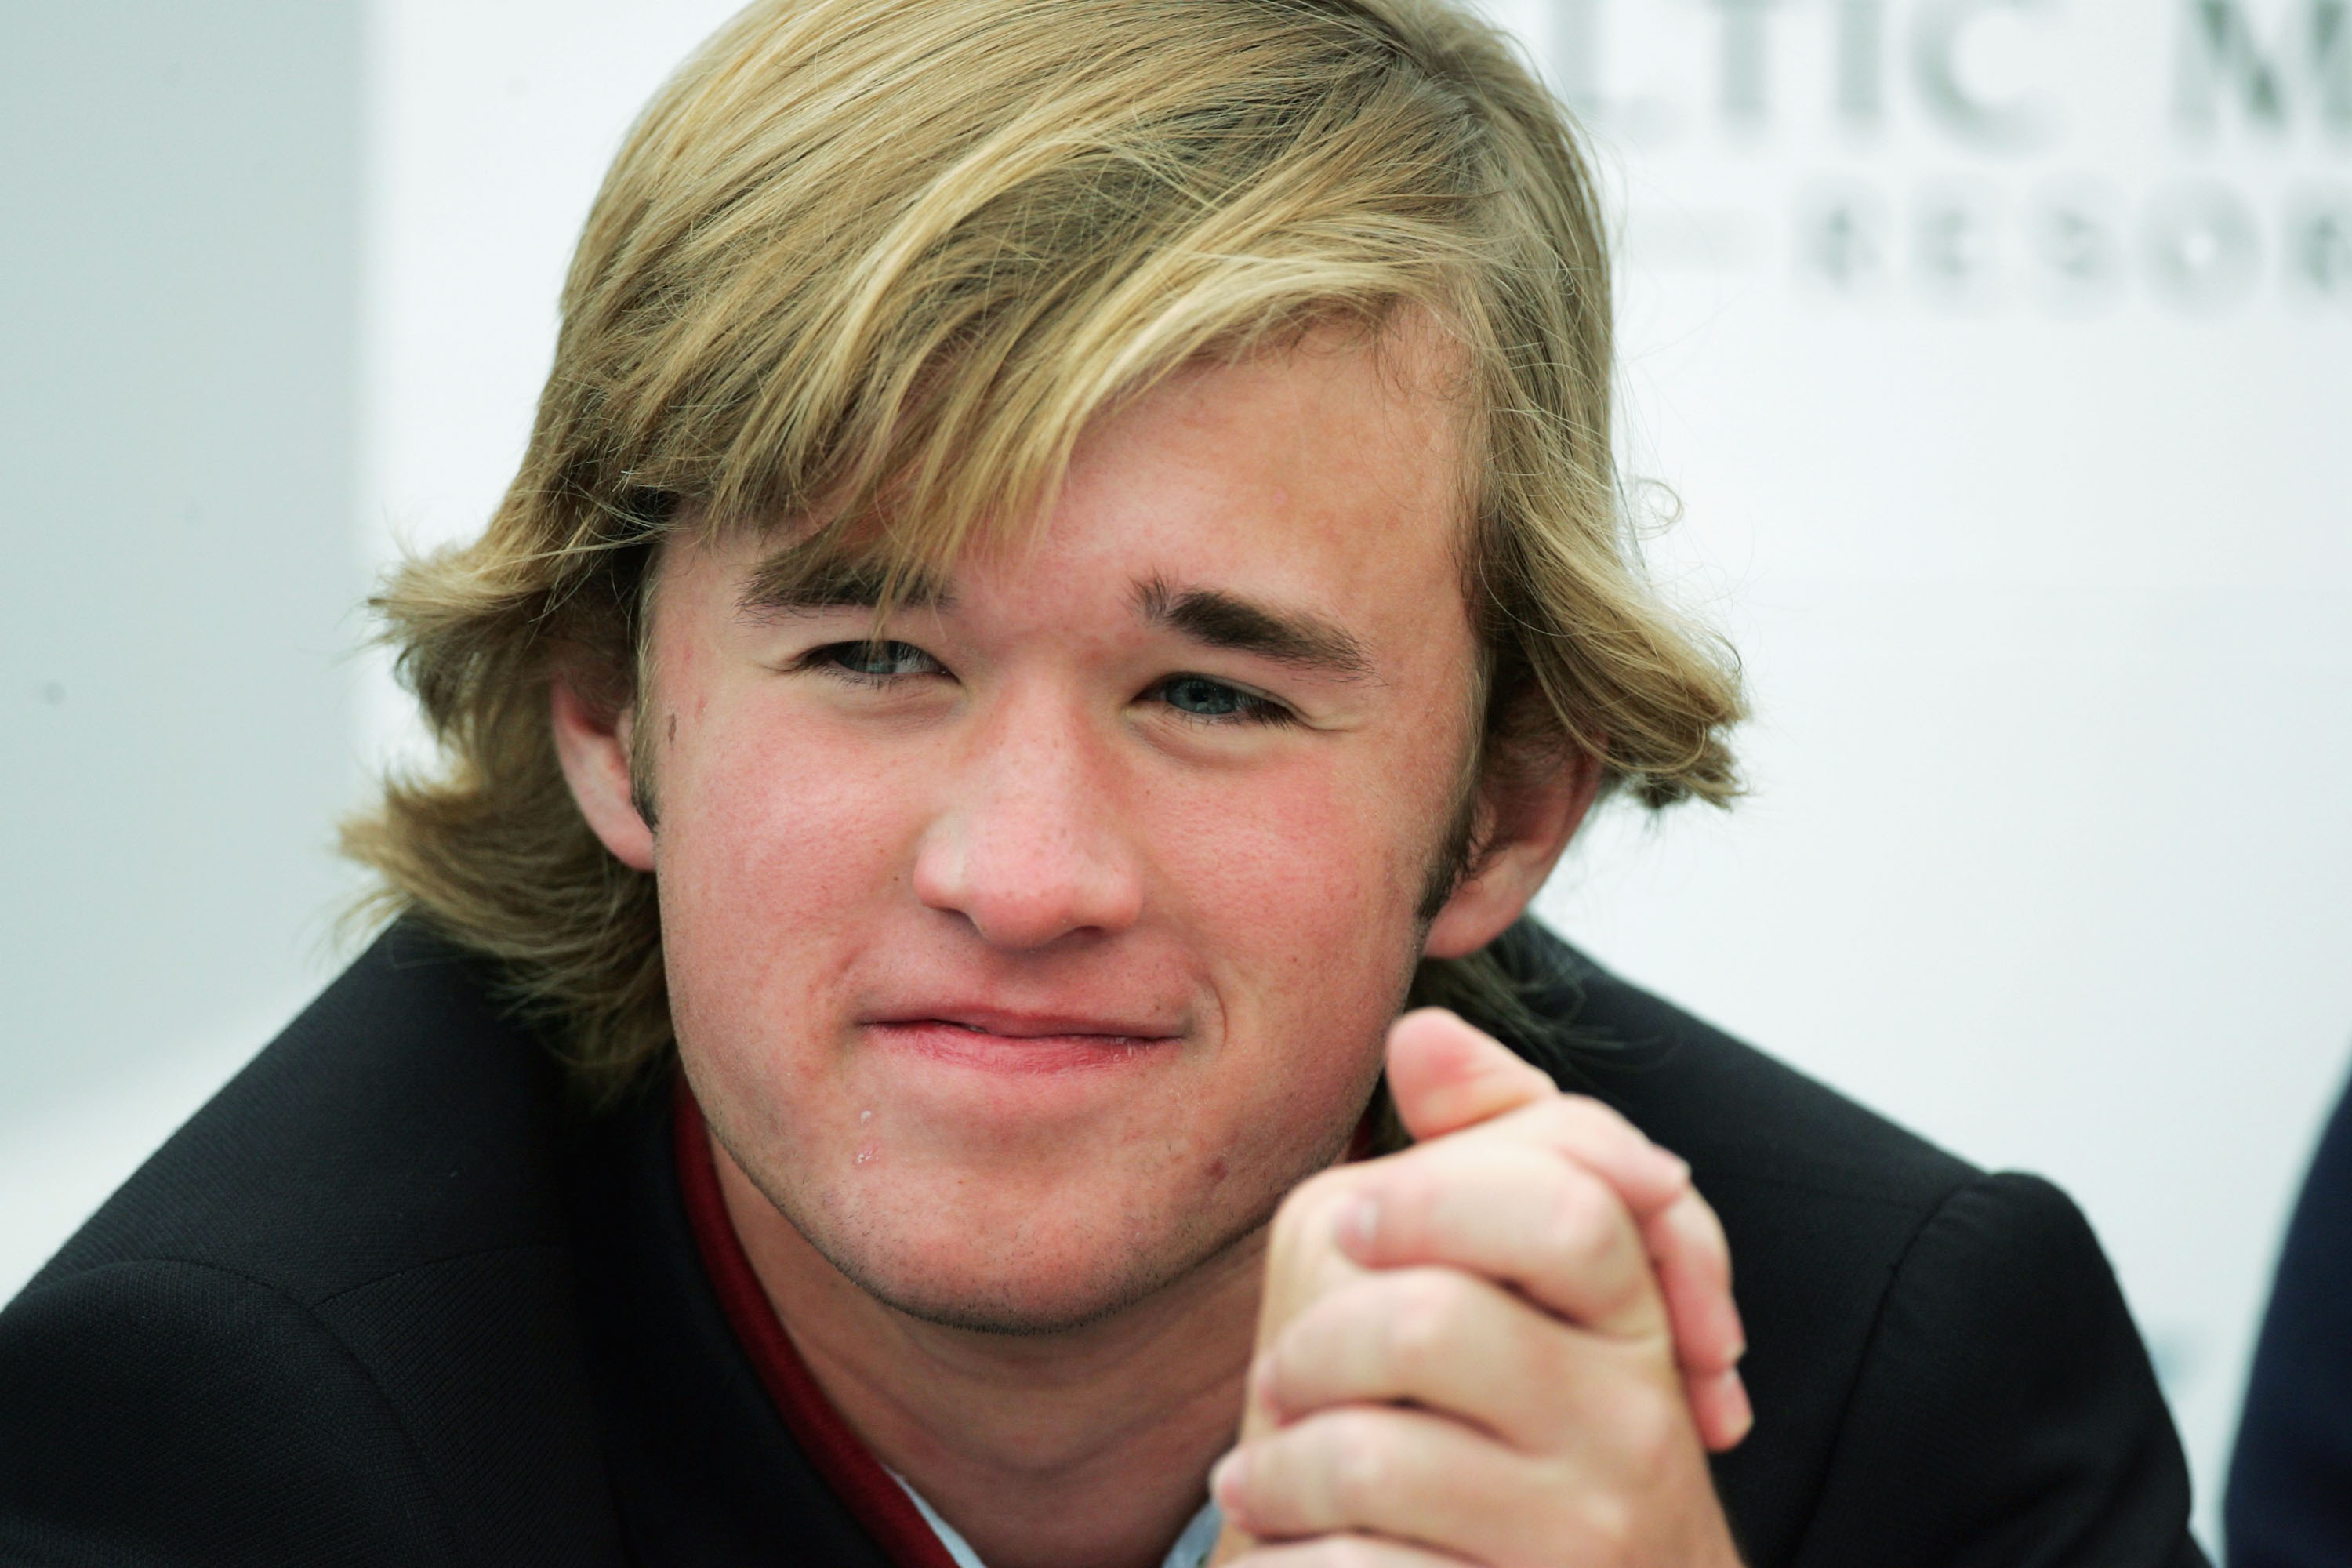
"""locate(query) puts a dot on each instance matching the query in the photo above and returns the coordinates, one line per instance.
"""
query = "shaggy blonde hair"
(881, 261)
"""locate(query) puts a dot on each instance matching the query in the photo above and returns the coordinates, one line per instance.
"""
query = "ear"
(591, 740)
(1528, 821)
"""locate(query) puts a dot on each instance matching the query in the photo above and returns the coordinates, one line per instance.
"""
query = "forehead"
(1340, 430)
(1323, 464)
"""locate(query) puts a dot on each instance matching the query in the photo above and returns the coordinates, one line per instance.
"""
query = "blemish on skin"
(1217, 1169)
(864, 1117)
(867, 1153)
(673, 729)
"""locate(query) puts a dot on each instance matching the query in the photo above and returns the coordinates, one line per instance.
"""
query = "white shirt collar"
(1192, 1548)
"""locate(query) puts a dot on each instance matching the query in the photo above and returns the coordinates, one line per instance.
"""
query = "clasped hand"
(1512, 1343)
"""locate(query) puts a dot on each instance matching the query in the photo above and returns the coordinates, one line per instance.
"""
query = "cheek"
(779, 842)
(1301, 891)
(1303, 863)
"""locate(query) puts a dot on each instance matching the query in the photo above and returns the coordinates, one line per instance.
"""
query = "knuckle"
(1609, 1527)
(1579, 1118)
(1424, 1319)
(1651, 1435)
(1407, 1198)
(1582, 1218)
(1362, 1469)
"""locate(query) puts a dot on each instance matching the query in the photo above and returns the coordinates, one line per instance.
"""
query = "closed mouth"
(1005, 1043)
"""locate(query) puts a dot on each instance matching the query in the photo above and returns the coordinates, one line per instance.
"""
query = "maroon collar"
(856, 1478)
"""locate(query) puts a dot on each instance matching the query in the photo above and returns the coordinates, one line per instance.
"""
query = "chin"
(1039, 1234)
(1050, 1263)
(1026, 1279)
(1030, 1305)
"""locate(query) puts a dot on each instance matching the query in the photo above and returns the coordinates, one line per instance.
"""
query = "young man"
(1066, 573)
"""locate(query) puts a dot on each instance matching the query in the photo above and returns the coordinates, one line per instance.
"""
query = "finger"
(1380, 1470)
(1720, 1410)
(1546, 1225)
(1437, 1338)
(1693, 1266)
(1579, 1128)
(1490, 1228)
(1684, 1239)
(1444, 1075)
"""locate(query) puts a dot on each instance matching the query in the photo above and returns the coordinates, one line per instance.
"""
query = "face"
(1026, 958)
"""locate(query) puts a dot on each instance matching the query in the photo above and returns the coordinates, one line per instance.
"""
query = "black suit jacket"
(384, 1301)
(2290, 1498)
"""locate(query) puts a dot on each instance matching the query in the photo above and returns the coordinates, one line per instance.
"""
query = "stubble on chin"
(1023, 1289)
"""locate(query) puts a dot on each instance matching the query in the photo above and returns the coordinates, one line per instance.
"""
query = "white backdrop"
(1999, 352)
(178, 301)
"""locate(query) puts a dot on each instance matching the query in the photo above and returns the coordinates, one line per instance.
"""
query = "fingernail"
(1736, 1391)
(1225, 1478)
(1360, 1222)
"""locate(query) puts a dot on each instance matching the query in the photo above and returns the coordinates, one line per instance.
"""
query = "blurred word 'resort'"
(2067, 154)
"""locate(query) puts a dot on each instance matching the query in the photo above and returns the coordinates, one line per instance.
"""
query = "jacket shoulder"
(1733, 1111)
(155, 1412)
(400, 1120)
(361, 1247)
(2005, 1364)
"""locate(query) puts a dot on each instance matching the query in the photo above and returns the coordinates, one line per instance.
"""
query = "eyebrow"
(1218, 619)
(799, 578)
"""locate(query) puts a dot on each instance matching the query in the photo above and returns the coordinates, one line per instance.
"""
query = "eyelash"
(1250, 708)
(835, 659)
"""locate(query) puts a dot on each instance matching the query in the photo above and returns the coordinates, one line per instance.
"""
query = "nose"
(1029, 844)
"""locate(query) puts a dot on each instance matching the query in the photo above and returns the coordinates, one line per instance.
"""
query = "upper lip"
(1016, 1025)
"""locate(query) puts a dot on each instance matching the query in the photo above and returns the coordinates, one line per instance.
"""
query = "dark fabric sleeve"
(165, 1413)
(2290, 1500)
(2006, 1415)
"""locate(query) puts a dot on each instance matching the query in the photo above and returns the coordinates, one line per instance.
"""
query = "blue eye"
(1199, 697)
(1204, 698)
(876, 660)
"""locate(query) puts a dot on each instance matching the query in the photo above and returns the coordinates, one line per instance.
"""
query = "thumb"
(1444, 1075)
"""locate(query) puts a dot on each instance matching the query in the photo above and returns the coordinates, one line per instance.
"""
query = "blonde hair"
(881, 261)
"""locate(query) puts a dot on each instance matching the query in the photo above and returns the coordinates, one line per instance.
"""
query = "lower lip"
(1031, 1054)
